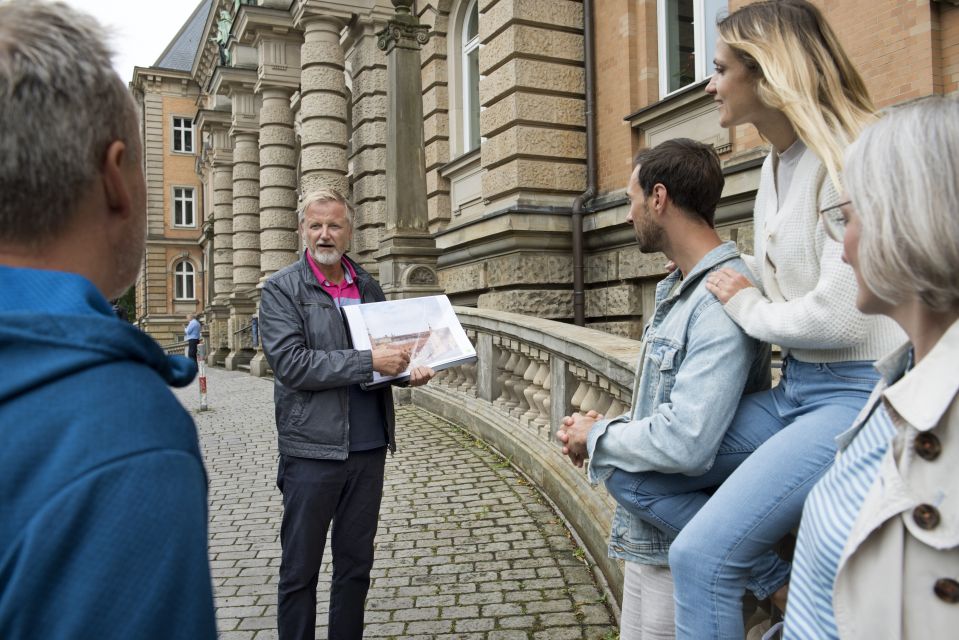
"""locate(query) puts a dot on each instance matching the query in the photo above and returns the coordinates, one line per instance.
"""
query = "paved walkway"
(465, 548)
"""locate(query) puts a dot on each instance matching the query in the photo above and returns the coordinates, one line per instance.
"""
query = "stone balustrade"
(530, 373)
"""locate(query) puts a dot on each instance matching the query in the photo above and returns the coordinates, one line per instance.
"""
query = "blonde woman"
(887, 512)
(780, 67)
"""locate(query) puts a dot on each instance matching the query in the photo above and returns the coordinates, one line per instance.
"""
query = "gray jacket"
(307, 345)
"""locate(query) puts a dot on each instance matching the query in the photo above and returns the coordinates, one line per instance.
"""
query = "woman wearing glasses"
(877, 552)
(780, 67)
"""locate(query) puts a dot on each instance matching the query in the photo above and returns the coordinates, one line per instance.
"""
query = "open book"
(426, 326)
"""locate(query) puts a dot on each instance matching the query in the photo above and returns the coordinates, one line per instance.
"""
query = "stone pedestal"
(242, 308)
(408, 253)
(218, 317)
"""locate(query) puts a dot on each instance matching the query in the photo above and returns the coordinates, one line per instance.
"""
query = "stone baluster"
(509, 400)
(519, 384)
(541, 417)
(502, 360)
(529, 377)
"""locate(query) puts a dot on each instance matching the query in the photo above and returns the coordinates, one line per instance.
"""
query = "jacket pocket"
(663, 359)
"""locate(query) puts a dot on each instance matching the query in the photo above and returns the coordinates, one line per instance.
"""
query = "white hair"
(61, 106)
(321, 196)
(902, 176)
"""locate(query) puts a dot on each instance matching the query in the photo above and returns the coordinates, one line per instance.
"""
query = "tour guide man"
(332, 434)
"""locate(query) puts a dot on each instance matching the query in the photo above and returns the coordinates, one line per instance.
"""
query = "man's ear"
(660, 198)
(113, 174)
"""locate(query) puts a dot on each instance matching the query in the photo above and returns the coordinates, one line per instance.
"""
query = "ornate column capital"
(404, 31)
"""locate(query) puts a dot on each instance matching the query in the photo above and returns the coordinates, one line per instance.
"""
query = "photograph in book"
(427, 327)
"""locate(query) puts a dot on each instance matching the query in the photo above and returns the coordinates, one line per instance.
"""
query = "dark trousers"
(317, 493)
(191, 349)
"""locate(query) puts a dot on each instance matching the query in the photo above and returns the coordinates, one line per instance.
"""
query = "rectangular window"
(687, 41)
(182, 135)
(183, 207)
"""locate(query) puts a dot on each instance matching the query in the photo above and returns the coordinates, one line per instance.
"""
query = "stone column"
(368, 150)
(278, 241)
(278, 223)
(323, 106)
(219, 311)
(246, 243)
(408, 253)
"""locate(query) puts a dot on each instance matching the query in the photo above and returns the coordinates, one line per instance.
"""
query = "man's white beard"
(326, 257)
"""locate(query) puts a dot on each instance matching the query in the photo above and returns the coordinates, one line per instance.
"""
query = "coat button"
(947, 590)
(927, 446)
(926, 516)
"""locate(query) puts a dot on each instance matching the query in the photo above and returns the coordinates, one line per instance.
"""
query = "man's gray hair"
(319, 197)
(61, 106)
(902, 176)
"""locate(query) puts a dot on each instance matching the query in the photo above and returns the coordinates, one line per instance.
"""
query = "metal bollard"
(201, 363)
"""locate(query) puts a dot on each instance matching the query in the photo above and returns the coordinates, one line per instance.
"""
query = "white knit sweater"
(809, 307)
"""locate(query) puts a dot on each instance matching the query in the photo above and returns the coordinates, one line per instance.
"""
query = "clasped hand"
(573, 433)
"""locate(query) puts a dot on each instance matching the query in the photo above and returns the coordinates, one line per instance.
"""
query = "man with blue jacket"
(103, 516)
(660, 460)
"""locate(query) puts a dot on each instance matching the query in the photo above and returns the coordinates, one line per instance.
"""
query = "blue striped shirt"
(828, 517)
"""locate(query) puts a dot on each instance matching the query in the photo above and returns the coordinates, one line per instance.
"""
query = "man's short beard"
(328, 257)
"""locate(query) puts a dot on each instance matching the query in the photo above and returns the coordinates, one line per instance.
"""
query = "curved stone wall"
(529, 374)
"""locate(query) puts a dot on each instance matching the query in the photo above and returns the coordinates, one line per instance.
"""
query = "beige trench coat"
(898, 575)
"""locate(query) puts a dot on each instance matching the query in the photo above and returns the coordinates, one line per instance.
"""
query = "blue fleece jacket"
(103, 516)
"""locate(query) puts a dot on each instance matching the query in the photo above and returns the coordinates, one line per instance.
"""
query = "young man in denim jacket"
(660, 461)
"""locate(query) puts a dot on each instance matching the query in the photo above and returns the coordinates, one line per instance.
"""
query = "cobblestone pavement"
(465, 548)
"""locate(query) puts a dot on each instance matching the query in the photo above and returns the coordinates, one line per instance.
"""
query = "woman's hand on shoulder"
(725, 283)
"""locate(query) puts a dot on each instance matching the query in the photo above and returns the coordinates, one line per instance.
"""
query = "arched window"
(184, 280)
(469, 37)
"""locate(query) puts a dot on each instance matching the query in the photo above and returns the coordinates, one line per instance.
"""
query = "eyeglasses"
(833, 221)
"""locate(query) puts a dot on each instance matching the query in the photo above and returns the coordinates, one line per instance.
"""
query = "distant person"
(192, 332)
(878, 549)
(659, 460)
(780, 67)
(332, 434)
(103, 513)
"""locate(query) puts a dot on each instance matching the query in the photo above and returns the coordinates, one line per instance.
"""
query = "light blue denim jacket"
(695, 365)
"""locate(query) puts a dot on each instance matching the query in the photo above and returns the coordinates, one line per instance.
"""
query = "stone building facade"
(288, 96)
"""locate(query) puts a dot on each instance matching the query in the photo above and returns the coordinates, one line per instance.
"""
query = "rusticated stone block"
(633, 264)
(320, 179)
(436, 126)
(436, 99)
(548, 303)
(245, 189)
(435, 72)
(371, 81)
(283, 177)
(618, 300)
(567, 14)
(371, 107)
(325, 104)
(318, 130)
(532, 108)
(323, 157)
(369, 160)
(437, 153)
(529, 268)
(273, 156)
(277, 219)
(538, 175)
(246, 275)
(533, 141)
(366, 240)
(371, 185)
(435, 48)
(322, 78)
(278, 240)
(371, 133)
(532, 75)
(371, 212)
(438, 208)
(523, 40)
(627, 328)
(470, 277)
(602, 267)
(277, 136)
(326, 52)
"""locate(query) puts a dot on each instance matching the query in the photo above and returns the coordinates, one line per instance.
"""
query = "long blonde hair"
(803, 72)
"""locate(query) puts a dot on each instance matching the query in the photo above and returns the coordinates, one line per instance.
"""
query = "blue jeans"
(727, 546)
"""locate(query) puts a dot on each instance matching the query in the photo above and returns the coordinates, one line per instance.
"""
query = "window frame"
(192, 200)
(189, 272)
(703, 68)
(185, 127)
(467, 47)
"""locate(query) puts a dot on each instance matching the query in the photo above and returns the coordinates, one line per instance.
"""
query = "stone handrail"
(530, 373)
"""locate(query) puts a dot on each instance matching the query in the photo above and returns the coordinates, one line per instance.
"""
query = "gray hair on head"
(321, 196)
(902, 176)
(61, 106)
